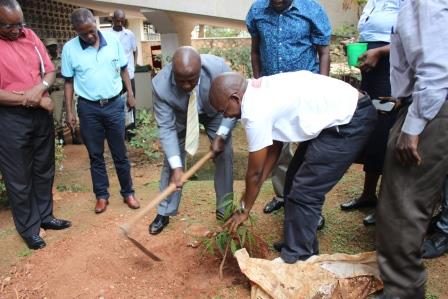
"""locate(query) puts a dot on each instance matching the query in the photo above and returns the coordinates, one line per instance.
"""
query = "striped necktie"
(192, 139)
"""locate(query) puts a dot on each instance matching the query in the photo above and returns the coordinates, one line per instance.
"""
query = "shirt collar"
(103, 42)
(294, 4)
(123, 29)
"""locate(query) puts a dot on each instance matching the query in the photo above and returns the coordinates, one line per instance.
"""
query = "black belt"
(101, 102)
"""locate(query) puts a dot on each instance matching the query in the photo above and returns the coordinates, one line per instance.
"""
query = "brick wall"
(49, 19)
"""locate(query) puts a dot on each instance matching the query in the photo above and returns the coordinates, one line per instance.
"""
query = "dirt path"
(91, 260)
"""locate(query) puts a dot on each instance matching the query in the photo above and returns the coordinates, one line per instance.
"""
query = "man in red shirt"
(26, 126)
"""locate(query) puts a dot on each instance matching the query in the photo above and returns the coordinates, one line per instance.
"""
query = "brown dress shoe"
(101, 205)
(131, 202)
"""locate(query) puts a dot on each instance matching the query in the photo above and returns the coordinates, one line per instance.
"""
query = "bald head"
(118, 20)
(119, 14)
(186, 68)
(226, 93)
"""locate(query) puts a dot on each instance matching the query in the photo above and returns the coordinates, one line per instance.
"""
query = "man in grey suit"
(179, 86)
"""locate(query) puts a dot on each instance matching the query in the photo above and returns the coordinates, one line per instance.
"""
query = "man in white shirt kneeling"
(329, 118)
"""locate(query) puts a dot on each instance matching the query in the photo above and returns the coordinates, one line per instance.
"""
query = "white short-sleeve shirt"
(295, 107)
(129, 43)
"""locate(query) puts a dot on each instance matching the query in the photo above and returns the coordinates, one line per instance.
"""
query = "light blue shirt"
(377, 20)
(96, 72)
(419, 61)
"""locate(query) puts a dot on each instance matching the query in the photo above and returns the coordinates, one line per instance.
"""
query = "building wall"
(49, 19)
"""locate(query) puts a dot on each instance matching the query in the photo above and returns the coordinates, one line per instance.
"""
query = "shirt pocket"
(116, 66)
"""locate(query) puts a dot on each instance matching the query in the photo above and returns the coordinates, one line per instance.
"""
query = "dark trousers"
(315, 168)
(27, 165)
(408, 196)
(98, 123)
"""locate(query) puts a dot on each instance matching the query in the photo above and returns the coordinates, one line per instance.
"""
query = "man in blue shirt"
(94, 65)
(287, 36)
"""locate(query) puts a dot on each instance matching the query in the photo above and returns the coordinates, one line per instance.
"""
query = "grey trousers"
(279, 171)
(313, 172)
(408, 196)
(223, 171)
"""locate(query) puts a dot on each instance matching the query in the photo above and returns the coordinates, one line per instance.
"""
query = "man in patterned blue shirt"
(287, 36)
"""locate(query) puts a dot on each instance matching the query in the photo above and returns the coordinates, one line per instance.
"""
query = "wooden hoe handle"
(126, 227)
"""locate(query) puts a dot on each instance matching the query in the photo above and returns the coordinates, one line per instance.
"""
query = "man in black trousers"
(26, 126)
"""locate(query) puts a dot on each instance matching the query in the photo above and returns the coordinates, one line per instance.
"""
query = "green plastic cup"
(355, 50)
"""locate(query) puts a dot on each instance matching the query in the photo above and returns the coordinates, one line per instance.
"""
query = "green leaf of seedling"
(208, 244)
(233, 246)
(221, 241)
(242, 233)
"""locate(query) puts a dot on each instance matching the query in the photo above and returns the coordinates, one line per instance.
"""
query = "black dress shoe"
(435, 246)
(34, 242)
(432, 228)
(56, 224)
(370, 220)
(273, 205)
(358, 203)
(158, 224)
(278, 245)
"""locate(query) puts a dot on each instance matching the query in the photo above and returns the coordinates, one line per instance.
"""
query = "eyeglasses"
(12, 26)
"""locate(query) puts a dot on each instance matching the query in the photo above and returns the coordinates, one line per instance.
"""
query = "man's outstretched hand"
(236, 220)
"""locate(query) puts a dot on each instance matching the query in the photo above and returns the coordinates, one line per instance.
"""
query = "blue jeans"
(105, 122)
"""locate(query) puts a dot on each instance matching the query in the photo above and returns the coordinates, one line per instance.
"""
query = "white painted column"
(169, 43)
(136, 26)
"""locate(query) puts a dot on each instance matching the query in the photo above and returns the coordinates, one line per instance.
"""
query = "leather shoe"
(56, 224)
(278, 245)
(131, 201)
(358, 203)
(435, 246)
(369, 220)
(101, 205)
(273, 205)
(158, 224)
(432, 228)
(34, 242)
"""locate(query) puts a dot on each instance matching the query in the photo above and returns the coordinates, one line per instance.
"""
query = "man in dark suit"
(181, 102)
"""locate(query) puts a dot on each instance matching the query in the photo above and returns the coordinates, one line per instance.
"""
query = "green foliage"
(346, 31)
(2, 191)
(146, 134)
(25, 252)
(223, 239)
(239, 58)
(71, 188)
(58, 154)
(211, 31)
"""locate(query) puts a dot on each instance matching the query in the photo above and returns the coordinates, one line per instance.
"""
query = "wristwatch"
(242, 208)
(46, 84)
